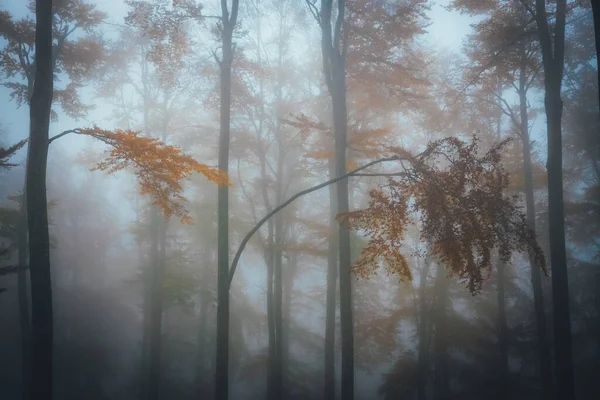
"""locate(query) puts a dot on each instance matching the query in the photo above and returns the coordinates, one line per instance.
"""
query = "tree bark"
(24, 315)
(288, 286)
(157, 256)
(553, 62)
(334, 68)
(544, 356)
(423, 356)
(222, 358)
(329, 351)
(37, 207)
(440, 380)
(502, 332)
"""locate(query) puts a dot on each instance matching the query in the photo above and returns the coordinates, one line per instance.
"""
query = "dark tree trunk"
(330, 305)
(347, 326)
(544, 356)
(37, 207)
(270, 257)
(423, 357)
(288, 286)
(24, 317)
(502, 332)
(553, 62)
(440, 380)
(279, 237)
(222, 358)
(157, 257)
(334, 68)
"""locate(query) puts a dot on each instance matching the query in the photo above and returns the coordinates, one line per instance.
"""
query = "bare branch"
(280, 207)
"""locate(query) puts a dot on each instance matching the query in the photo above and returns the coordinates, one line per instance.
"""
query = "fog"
(134, 274)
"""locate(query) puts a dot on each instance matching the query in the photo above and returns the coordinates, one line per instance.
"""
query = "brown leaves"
(7, 153)
(159, 168)
(459, 197)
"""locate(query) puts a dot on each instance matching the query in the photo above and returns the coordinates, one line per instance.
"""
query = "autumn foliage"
(159, 168)
(459, 197)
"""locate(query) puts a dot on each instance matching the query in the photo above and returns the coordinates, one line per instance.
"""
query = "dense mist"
(299, 199)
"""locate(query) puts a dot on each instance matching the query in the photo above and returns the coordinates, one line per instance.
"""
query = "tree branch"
(280, 207)
(53, 138)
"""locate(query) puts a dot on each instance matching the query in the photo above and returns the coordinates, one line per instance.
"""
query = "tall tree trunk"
(423, 357)
(37, 207)
(222, 358)
(157, 256)
(502, 332)
(146, 328)
(278, 279)
(553, 62)
(288, 286)
(270, 257)
(330, 305)
(347, 327)
(334, 44)
(440, 380)
(544, 356)
(24, 317)
(501, 277)
(279, 228)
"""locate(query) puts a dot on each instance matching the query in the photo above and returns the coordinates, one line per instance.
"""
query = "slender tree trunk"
(440, 381)
(502, 325)
(340, 116)
(278, 284)
(157, 256)
(502, 332)
(288, 286)
(270, 256)
(423, 358)
(222, 358)
(334, 68)
(544, 356)
(279, 231)
(37, 207)
(24, 317)
(330, 306)
(553, 62)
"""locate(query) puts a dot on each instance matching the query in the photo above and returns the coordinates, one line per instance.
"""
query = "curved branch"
(280, 207)
(53, 138)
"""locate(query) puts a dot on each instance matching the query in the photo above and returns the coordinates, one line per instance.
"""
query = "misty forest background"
(135, 294)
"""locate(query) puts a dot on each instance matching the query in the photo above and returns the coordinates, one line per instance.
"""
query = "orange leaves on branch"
(460, 199)
(159, 168)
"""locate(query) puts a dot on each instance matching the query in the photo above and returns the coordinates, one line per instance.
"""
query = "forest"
(299, 199)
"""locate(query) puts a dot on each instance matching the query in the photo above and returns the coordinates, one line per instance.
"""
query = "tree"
(78, 59)
(504, 49)
(553, 47)
(37, 214)
(227, 25)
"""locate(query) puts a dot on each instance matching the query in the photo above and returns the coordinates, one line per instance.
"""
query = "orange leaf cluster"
(464, 212)
(159, 168)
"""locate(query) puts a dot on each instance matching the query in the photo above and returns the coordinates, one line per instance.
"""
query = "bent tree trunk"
(37, 206)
